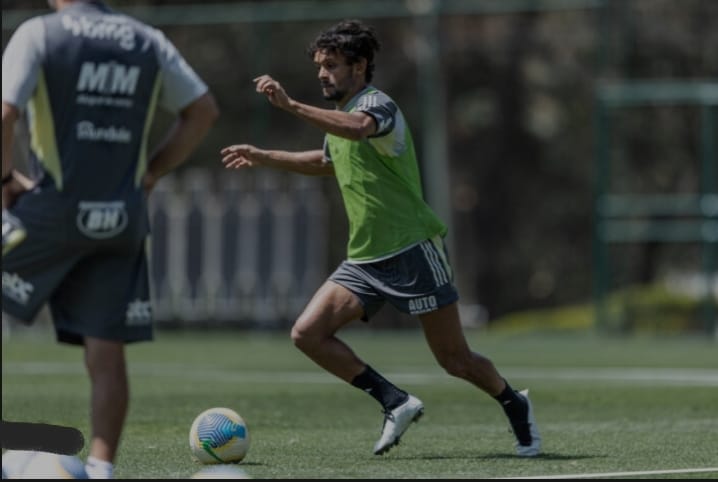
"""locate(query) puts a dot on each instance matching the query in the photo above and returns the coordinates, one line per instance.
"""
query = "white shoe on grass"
(396, 422)
(528, 442)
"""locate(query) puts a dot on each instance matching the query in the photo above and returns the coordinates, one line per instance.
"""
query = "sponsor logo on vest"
(16, 288)
(139, 312)
(101, 28)
(423, 304)
(102, 100)
(87, 131)
(108, 78)
(101, 220)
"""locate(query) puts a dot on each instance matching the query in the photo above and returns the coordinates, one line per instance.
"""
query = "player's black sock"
(514, 406)
(380, 388)
(517, 410)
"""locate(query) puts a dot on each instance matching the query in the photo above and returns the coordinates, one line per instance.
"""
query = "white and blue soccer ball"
(31, 464)
(219, 435)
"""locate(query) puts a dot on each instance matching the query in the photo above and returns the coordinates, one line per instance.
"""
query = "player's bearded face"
(335, 75)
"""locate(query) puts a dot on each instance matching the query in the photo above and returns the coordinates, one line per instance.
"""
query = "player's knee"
(300, 337)
(307, 337)
(295, 335)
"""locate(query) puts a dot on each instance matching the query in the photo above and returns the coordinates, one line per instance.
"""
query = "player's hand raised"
(265, 84)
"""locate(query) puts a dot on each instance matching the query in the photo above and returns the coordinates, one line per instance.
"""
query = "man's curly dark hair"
(352, 39)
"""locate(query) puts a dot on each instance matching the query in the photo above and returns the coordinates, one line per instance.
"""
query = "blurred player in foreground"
(75, 234)
(396, 250)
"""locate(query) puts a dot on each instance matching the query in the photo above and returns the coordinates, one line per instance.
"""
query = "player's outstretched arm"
(349, 125)
(310, 163)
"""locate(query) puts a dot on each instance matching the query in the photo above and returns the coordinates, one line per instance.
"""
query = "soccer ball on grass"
(219, 435)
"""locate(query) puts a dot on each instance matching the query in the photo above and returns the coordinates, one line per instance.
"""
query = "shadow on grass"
(250, 464)
(543, 456)
(496, 456)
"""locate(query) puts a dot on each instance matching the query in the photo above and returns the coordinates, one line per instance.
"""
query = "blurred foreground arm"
(14, 183)
(190, 128)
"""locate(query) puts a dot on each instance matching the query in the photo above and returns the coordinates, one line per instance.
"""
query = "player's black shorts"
(87, 262)
(416, 281)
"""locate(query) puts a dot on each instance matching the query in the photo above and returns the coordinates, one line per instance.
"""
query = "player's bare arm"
(349, 125)
(14, 182)
(10, 115)
(310, 163)
(190, 128)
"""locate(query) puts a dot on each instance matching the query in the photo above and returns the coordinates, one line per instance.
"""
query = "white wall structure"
(237, 248)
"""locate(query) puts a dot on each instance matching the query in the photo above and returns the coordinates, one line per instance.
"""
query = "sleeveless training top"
(380, 183)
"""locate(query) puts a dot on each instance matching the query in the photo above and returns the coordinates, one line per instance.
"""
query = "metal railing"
(664, 217)
(246, 249)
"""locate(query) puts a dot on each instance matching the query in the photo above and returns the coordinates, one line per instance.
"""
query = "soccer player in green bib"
(396, 250)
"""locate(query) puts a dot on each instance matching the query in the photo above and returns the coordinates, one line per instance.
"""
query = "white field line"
(653, 376)
(620, 474)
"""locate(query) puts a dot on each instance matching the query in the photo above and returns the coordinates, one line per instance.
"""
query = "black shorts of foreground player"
(395, 251)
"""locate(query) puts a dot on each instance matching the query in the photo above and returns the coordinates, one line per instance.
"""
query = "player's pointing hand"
(265, 84)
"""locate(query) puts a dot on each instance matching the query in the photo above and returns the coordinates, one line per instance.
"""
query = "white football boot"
(534, 448)
(396, 422)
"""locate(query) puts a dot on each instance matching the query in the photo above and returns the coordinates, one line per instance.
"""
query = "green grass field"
(606, 407)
